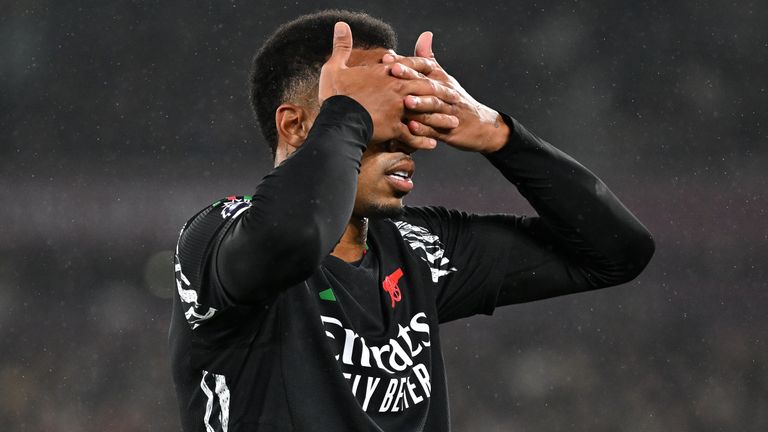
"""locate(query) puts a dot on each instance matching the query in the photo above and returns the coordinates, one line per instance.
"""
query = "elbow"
(647, 247)
(636, 258)
(622, 264)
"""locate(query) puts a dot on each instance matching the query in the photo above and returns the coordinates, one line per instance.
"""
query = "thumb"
(342, 44)
(424, 46)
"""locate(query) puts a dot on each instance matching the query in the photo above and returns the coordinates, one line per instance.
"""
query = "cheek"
(370, 181)
(367, 169)
(365, 180)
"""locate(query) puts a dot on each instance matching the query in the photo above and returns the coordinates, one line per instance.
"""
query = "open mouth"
(400, 174)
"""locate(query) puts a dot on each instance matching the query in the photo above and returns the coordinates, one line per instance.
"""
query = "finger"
(429, 87)
(423, 65)
(390, 56)
(445, 122)
(342, 44)
(426, 104)
(402, 71)
(415, 142)
(421, 130)
(424, 46)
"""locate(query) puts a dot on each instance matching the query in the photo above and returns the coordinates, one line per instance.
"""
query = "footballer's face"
(386, 168)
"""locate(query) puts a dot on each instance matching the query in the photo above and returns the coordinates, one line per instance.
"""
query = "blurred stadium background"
(119, 119)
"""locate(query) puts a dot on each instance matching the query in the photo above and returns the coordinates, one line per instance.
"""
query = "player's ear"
(293, 123)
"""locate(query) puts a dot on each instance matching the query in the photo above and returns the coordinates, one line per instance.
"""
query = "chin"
(377, 210)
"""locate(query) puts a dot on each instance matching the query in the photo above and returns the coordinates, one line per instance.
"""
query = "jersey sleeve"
(244, 251)
(582, 238)
(199, 288)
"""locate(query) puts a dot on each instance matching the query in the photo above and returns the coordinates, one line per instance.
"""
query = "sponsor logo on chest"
(386, 377)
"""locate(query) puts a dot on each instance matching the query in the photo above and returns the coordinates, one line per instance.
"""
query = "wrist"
(496, 135)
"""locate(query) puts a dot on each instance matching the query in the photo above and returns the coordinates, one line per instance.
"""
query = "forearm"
(299, 211)
(584, 219)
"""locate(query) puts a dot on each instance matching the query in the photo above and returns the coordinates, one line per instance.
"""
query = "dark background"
(118, 120)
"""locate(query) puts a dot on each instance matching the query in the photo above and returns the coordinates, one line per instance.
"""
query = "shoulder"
(424, 230)
(211, 218)
(226, 208)
(203, 230)
(435, 219)
(197, 240)
(428, 213)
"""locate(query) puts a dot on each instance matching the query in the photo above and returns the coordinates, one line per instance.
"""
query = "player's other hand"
(381, 93)
(480, 128)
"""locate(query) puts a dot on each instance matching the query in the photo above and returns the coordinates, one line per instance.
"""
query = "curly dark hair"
(287, 66)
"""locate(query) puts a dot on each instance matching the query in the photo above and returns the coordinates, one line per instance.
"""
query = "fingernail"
(454, 121)
(414, 100)
(339, 29)
(388, 58)
(433, 142)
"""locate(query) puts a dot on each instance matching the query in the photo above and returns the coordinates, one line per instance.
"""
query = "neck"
(351, 247)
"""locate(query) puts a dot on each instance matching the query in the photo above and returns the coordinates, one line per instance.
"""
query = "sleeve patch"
(428, 247)
(235, 206)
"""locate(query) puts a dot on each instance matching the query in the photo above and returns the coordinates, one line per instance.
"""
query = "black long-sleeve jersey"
(272, 333)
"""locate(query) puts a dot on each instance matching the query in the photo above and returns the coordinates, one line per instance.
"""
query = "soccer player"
(314, 304)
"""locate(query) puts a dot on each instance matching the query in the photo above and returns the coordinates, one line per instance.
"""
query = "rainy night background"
(118, 120)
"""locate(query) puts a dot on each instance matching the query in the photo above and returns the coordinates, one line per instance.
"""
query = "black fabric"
(279, 357)
(583, 238)
(300, 209)
(272, 333)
